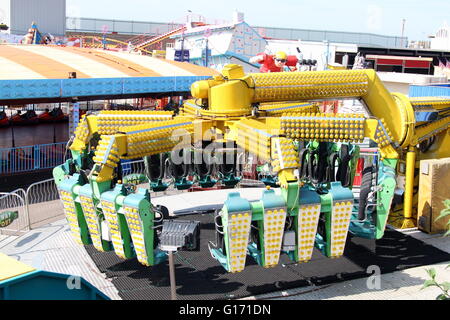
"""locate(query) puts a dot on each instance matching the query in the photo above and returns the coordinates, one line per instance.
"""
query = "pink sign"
(104, 28)
(207, 33)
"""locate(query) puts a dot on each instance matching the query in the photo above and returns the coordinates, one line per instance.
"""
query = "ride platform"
(200, 277)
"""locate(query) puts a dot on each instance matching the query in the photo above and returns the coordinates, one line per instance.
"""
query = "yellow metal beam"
(236, 96)
(140, 141)
(427, 131)
(274, 109)
(409, 188)
(111, 122)
(437, 103)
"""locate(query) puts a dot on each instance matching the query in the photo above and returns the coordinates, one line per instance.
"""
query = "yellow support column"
(409, 188)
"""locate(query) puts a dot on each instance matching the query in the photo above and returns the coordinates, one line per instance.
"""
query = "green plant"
(445, 286)
(444, 213)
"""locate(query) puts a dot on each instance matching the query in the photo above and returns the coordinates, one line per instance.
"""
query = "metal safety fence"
(79, 24)
(29, 158)
(14, 202)
(43, 203)
(132, 167)
(39, 204)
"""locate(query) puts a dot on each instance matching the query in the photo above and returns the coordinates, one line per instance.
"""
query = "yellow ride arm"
(139, 141)
(109, 122)
(235, 93)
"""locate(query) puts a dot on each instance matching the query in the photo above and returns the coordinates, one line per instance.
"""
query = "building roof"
(19, 62)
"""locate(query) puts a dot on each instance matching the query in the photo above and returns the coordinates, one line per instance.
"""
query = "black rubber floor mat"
(200, 277)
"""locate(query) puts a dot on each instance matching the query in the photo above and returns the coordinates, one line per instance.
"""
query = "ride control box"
(434, 190)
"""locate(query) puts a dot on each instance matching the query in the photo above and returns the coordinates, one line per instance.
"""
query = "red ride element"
(29, 117)
(252, 174)
(358, 174)
(268, 65)
(4, 120)
(56, 115)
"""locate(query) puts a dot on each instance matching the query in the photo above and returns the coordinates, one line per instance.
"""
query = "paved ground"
(52, 248)
(400, 285)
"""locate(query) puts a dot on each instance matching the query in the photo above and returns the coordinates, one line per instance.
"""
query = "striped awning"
(20, 62)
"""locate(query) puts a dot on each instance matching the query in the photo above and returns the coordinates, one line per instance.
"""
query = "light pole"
(403, 32)
(327, 54)
(12, 135)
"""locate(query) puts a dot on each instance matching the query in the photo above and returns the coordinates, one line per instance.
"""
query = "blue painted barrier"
(66, 88)
(429, 91)
(29, 158)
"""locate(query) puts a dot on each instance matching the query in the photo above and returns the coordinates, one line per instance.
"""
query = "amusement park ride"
(275, 117)
(139, 43)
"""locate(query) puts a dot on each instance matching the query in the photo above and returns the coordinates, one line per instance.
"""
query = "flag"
(441, 65)
(447, 64)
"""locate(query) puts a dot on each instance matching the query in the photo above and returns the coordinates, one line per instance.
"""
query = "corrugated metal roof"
(55, 62)
(50, 15)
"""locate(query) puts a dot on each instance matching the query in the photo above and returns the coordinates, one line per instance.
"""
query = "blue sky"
(384, 17)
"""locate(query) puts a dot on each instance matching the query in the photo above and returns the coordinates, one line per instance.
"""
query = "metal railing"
(29, 158)
(42, 199)
(15, 201)
(359, 38)
(132, 167)
(39, 204)
(78, 24)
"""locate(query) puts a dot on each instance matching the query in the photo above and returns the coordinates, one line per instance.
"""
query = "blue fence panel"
(126, 167)
(29, 89)
(132, 166)
(29, 158)
(16, 159)
(51, 155)
(66, 88)
(159, 84)
(185, 82)
(429, 91)
(91, 87)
